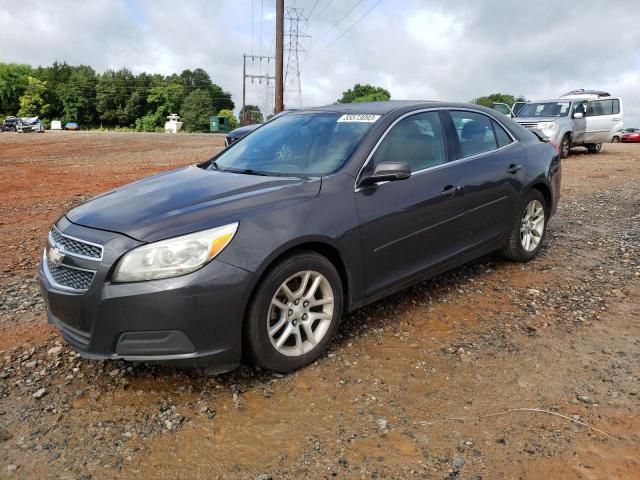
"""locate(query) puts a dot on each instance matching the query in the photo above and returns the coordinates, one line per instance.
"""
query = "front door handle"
(450, 190)
(616, 119)
(513, 168)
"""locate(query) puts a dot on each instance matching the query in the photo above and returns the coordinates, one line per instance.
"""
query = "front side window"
(475, 133)
(417, 140)
(305, 144)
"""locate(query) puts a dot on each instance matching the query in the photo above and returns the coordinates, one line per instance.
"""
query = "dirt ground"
(492, 371)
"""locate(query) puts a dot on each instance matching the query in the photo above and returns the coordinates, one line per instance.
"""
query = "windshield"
(304, 144)
(545, 109)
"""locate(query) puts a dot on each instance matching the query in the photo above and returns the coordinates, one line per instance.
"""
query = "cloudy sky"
(417, 49)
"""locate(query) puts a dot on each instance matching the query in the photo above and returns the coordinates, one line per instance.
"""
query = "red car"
(630, 135)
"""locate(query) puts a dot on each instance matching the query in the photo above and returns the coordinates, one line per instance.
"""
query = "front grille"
(70, 277)
(73, 246)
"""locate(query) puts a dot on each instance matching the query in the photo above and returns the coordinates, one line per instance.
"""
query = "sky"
(417, 49)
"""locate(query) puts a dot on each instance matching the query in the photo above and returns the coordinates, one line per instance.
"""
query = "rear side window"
(475, 133)
(502, 136)
(603, 107)
(417, 140)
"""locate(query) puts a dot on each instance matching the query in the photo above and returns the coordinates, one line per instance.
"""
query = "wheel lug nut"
(296, 302)
(295, 322)
(305, 304)
(290, 312)
(305, 316)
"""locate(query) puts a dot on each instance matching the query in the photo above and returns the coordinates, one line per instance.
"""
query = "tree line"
(114, 98)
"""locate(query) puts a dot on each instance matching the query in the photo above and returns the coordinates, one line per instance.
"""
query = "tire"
(267, 325)
(565, 146)
(615, 140)
(594, 147)
(516, 248)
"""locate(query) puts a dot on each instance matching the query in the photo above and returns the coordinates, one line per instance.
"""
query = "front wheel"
(528, 229)
(294, 313)
(615, 140)
(594, 147)
(565, 146)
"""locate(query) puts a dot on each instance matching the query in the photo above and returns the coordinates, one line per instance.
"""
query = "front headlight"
(175, 256)
(547, 125)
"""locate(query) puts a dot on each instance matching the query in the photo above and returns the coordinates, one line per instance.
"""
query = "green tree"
(364, 93)
(32, 102)
(114, 90)
(166, 98)
(489, 100)
(78, 96)
(13, 81)
(254, 115)
(233, 123)
(196, 110)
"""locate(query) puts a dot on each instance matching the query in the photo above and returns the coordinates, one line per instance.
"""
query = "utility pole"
(279, 56)
(244, 86)
(253, 76)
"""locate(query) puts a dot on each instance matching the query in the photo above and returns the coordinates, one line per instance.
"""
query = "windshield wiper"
(245, 171)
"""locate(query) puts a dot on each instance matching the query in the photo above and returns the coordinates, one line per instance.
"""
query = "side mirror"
(387, 172)
(578, 114)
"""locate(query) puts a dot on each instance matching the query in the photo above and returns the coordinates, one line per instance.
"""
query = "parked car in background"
(581, 118)
(617, 136)
(32, 124)
(257, 252)
(9, 124)
(237, 133)
(71, 126)
(631, 135)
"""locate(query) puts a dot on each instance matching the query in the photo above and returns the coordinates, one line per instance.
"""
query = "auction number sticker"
(358, 117)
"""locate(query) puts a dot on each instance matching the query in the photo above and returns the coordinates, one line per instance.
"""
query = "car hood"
(187, 200)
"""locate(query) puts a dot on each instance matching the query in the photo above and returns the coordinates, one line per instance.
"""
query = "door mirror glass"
(387, 172)
(578, 115)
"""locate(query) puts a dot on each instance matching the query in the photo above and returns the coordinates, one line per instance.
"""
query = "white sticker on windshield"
(358, 117)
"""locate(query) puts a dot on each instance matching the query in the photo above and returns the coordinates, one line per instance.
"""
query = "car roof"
(382, 108)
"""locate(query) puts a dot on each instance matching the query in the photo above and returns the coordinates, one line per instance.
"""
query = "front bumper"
(194, 320)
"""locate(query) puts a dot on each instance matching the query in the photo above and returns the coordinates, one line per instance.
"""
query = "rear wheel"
(615, 140)
(294, 313)
(594, 147)
(528, 229)
(565, 146)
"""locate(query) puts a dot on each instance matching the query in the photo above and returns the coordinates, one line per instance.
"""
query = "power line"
(322, 11)
(350, 27)
(341, 20)
(313, 8)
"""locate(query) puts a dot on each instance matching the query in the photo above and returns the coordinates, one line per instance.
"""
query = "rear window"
(475, 132)
(502, 136)
(597, 108)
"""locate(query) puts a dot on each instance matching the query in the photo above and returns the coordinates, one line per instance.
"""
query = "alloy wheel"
(532, 226)
(300, 313)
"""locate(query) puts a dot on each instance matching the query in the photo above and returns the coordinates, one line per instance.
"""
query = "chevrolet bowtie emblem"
(55, 257)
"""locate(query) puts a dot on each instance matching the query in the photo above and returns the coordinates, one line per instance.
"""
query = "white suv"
(581, 118)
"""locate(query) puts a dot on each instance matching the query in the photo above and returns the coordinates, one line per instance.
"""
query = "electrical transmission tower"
(295, 25)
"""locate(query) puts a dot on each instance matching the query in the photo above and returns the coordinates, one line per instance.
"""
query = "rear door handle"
(450, 190)
(513, 168)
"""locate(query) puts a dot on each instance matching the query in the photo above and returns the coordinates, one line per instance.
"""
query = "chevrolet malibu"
(258, 252)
